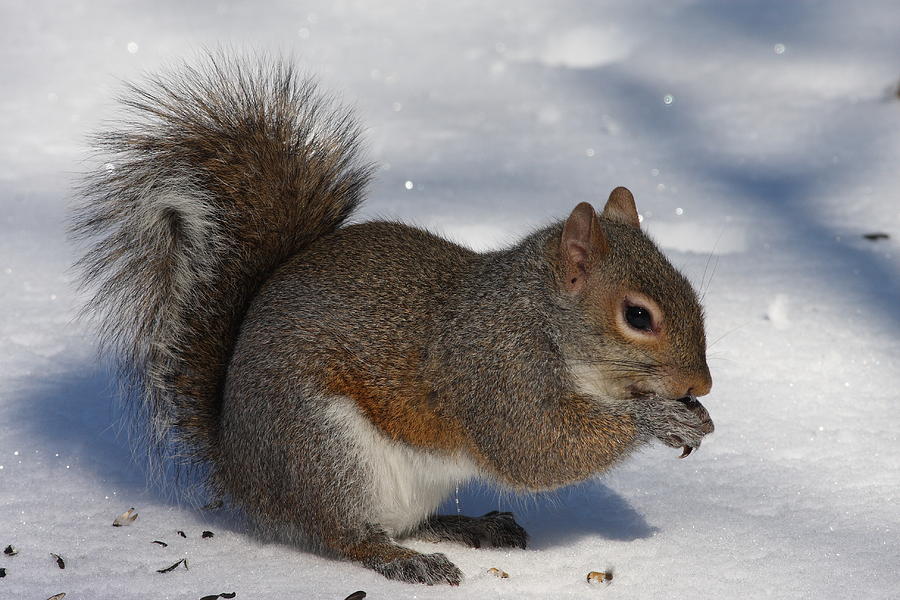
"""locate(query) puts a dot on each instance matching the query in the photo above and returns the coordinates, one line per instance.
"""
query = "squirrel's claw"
(687, 451)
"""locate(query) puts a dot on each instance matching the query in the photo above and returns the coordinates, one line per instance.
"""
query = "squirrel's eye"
(639, 318)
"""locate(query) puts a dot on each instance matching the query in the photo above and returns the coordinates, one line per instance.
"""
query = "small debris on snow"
(59, 596)
(358, 595)
(126, 518)
(876, 235)
(10, 551)
(163, 544)
(181, 533)
(223, 595)
(59, 560)
(600, 576)
(206, 534)
(2, 572)
(498, 573)
(173, 567)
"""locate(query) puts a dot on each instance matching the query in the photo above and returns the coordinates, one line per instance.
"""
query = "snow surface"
(761, 141)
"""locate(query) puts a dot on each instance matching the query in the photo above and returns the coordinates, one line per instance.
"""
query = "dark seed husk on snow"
(59, 560)
(215, 596)
(59, 596)
(173, 567)
(10, 551)
(181, 533)
(358, 595)
(2, 572)
(163, 544)
(207, 534)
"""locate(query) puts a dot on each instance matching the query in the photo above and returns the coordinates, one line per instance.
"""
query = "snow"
(761, 142)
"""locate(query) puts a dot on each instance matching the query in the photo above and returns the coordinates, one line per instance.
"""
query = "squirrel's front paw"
(681, 423)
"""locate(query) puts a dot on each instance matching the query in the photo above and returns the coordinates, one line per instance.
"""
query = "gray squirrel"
(337, 382)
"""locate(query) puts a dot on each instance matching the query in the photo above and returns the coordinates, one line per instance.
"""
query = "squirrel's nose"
(699, 383)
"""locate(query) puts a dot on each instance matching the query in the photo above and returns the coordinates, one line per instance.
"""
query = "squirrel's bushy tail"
(219, 174)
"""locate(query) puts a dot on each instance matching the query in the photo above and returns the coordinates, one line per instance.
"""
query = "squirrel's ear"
(620, 208)
(583, 242)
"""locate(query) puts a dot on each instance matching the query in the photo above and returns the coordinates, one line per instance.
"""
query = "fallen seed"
(358, 595)
(206, 534)
(599, 577)
(59, 560)
(498, 573)
(57, 596)
(181, 533)
(10, 551)
(163, 544)
(126, 518)
(173, 567)
(215, 596)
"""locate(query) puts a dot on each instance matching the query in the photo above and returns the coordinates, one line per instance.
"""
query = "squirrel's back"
(219, 174)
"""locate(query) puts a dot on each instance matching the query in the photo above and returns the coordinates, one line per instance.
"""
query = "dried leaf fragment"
(59, 560)
(357, 595)
(126, 518)
(173, 567)
(206, 534)
(599, 577)
(10, 551)
(498, 573)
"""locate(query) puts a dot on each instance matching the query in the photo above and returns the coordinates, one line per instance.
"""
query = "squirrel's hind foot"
(429, 569)
(495, 529)
(379, 553)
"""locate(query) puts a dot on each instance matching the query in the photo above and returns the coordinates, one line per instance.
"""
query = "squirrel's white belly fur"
(407, 484)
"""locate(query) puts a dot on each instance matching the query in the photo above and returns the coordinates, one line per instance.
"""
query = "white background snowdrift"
(760, 139)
